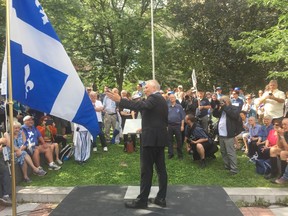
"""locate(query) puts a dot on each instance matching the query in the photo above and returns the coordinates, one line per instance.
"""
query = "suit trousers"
(175, 130)
(148, 157)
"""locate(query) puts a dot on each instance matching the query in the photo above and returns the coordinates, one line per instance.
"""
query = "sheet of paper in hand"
(132, 126)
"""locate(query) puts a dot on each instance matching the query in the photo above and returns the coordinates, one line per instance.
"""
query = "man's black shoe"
(158, 201)
(136, 204)
(170, 156)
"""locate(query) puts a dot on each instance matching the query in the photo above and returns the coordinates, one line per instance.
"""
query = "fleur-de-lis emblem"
(29, 85)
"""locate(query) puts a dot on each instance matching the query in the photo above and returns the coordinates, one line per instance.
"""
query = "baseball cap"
(218, 88)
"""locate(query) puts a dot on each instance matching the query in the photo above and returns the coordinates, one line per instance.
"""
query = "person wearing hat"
(36, 144)
(219, 92)
(179, 93)
(139, 91)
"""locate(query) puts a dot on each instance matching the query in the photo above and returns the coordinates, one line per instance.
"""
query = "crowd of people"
(195, 120)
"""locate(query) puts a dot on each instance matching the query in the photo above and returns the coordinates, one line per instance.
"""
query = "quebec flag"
(43, 76)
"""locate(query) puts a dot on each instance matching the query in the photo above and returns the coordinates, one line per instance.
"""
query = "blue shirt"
(204, 112)
(237, 102)
(196, 133)
(265, 131)
(175, 114)
(255, 131)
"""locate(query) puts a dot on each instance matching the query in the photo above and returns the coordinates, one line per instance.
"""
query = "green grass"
(118, 168)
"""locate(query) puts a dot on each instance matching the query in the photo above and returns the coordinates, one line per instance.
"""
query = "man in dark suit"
(154, 137)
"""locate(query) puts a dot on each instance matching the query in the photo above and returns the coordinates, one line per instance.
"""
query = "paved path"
(45, 195)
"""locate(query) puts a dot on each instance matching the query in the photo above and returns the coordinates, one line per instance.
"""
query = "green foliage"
(118, 168)
(206, 29)
(268, 45)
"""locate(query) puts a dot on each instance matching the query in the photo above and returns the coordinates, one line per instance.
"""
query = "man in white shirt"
(273, 101)
(97, 104)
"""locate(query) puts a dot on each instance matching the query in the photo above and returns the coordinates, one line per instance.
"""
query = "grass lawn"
(118, 168)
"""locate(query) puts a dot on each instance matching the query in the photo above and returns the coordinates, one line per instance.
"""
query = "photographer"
(273, 101)
(189, 103)
(197, 140)
(5, 181)
(229, 126)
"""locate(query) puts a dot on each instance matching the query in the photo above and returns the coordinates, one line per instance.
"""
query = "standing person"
(218, 91)
(203, 106)
(98, 107)
(229, 126)
(236, 101)
(273, 100)
(176, 117)
(110, 116)
(154, 112)
(139, 91)
(259, 107)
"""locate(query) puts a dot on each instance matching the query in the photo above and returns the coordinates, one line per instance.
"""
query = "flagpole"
(152, 39)
(10, 103)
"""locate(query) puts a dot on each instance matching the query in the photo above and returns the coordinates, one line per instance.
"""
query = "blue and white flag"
(43, 76)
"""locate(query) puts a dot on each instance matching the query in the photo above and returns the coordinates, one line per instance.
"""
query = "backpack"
(263, 167)
(66, 153)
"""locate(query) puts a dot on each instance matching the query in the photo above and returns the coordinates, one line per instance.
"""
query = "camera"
(222, 103)
(49, 122)
(270, 94)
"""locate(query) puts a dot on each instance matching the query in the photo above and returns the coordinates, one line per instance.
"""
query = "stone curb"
(254, 195)
(248, 195)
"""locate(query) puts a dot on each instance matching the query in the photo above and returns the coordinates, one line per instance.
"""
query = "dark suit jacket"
(154, 112)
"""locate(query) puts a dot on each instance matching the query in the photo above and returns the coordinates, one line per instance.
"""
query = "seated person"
(244, 134)
(47, 129)
(5, 180)
(270, 140)
(254, 132)
(35, 144)
(284, 178)
(197, 140)
(280, 149)
(22, 157)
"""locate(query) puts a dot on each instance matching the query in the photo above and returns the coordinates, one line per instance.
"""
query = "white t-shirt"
(98, 104)
(272, 107)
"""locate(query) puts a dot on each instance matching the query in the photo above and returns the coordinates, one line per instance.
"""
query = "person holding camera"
(229, 126)
(273, 101)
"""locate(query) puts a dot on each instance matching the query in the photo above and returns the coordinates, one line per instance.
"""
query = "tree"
(268, 45)
(206, 28)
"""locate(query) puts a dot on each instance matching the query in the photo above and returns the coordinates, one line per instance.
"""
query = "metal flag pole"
(10, 103)
(152, 39)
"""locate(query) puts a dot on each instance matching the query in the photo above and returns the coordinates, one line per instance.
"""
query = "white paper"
(132, 126)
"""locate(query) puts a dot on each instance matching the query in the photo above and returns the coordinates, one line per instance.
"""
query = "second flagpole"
(10, 103)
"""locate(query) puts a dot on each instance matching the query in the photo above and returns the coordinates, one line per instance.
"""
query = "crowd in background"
(257, 125)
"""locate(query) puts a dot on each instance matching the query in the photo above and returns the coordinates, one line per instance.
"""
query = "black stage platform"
(181, 201)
